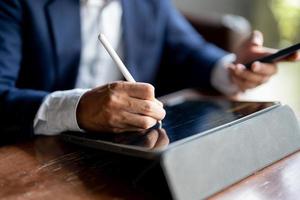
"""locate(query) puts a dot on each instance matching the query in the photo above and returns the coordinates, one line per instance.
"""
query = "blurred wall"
(256, 11)
(261, 17)
(216, 7)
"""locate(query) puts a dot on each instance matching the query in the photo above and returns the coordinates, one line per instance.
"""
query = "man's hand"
(260, 73)
(153, 139)
(156, 139)
(119, 107)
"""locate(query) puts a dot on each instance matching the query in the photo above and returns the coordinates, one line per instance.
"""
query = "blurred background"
(279, 20)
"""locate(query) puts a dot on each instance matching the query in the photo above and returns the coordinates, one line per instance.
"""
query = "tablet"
(184, 121)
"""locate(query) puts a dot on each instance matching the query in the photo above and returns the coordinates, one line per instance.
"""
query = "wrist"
(80, 112)
(58, 113)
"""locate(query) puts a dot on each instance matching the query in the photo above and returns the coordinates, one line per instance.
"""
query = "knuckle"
(116, 130)
(149, 87)
(130, 104)
(122, 117)
(149, 90)
(159, 103)
(147, 123)
(111, 120)
(163, 114)
(111, 101)
(147, 108)
(117, 85)
(113, 86)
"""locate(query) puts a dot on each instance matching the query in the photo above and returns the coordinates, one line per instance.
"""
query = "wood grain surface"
(48, 168)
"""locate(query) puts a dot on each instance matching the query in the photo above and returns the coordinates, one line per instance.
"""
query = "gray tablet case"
(201, 167)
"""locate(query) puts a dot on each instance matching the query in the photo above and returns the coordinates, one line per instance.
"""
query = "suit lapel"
(129, 36)
(64, 21)
(138, 38)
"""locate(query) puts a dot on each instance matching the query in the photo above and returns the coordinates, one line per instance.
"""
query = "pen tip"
(100, 36)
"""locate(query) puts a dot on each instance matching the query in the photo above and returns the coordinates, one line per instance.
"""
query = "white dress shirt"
(96, 66)
(58, 110)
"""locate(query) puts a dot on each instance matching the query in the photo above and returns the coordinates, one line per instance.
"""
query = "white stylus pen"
(110, 50)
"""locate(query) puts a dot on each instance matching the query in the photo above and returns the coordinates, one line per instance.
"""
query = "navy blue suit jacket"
(40, 46)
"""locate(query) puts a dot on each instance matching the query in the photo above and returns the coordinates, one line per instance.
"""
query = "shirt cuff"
(220, 78)
(58, 113)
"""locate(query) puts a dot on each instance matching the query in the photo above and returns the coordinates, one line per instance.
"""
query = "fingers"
(157, 138)
(143, 91)
(248, 79)
(136, 90)
(242, 73)
(128, 113)
(163, 139)
(293, 57)
(134, 103)
(159, 102)
(119, 107)
(253, 48)
(257, 38)
(243, 84)
(125, 129)
(296, 56)
(151, 139)
(264, 69)
(144, 107)
(128, 122)
(137, 121)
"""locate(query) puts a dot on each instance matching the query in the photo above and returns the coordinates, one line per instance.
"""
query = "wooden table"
(48, 168)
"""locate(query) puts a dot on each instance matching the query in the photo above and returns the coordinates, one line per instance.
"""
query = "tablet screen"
(184, 120)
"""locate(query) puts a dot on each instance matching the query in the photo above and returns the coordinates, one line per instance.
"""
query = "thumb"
(257, 38)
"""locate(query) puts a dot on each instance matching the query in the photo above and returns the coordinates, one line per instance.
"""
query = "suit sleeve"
(17, 106)
(187, 54)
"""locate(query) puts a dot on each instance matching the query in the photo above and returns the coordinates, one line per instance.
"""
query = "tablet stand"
(201, 167)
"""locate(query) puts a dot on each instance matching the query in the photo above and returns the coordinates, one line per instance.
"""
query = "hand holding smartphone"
(276, 56)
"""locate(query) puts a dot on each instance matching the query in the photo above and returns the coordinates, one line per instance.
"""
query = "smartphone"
(276, 56)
